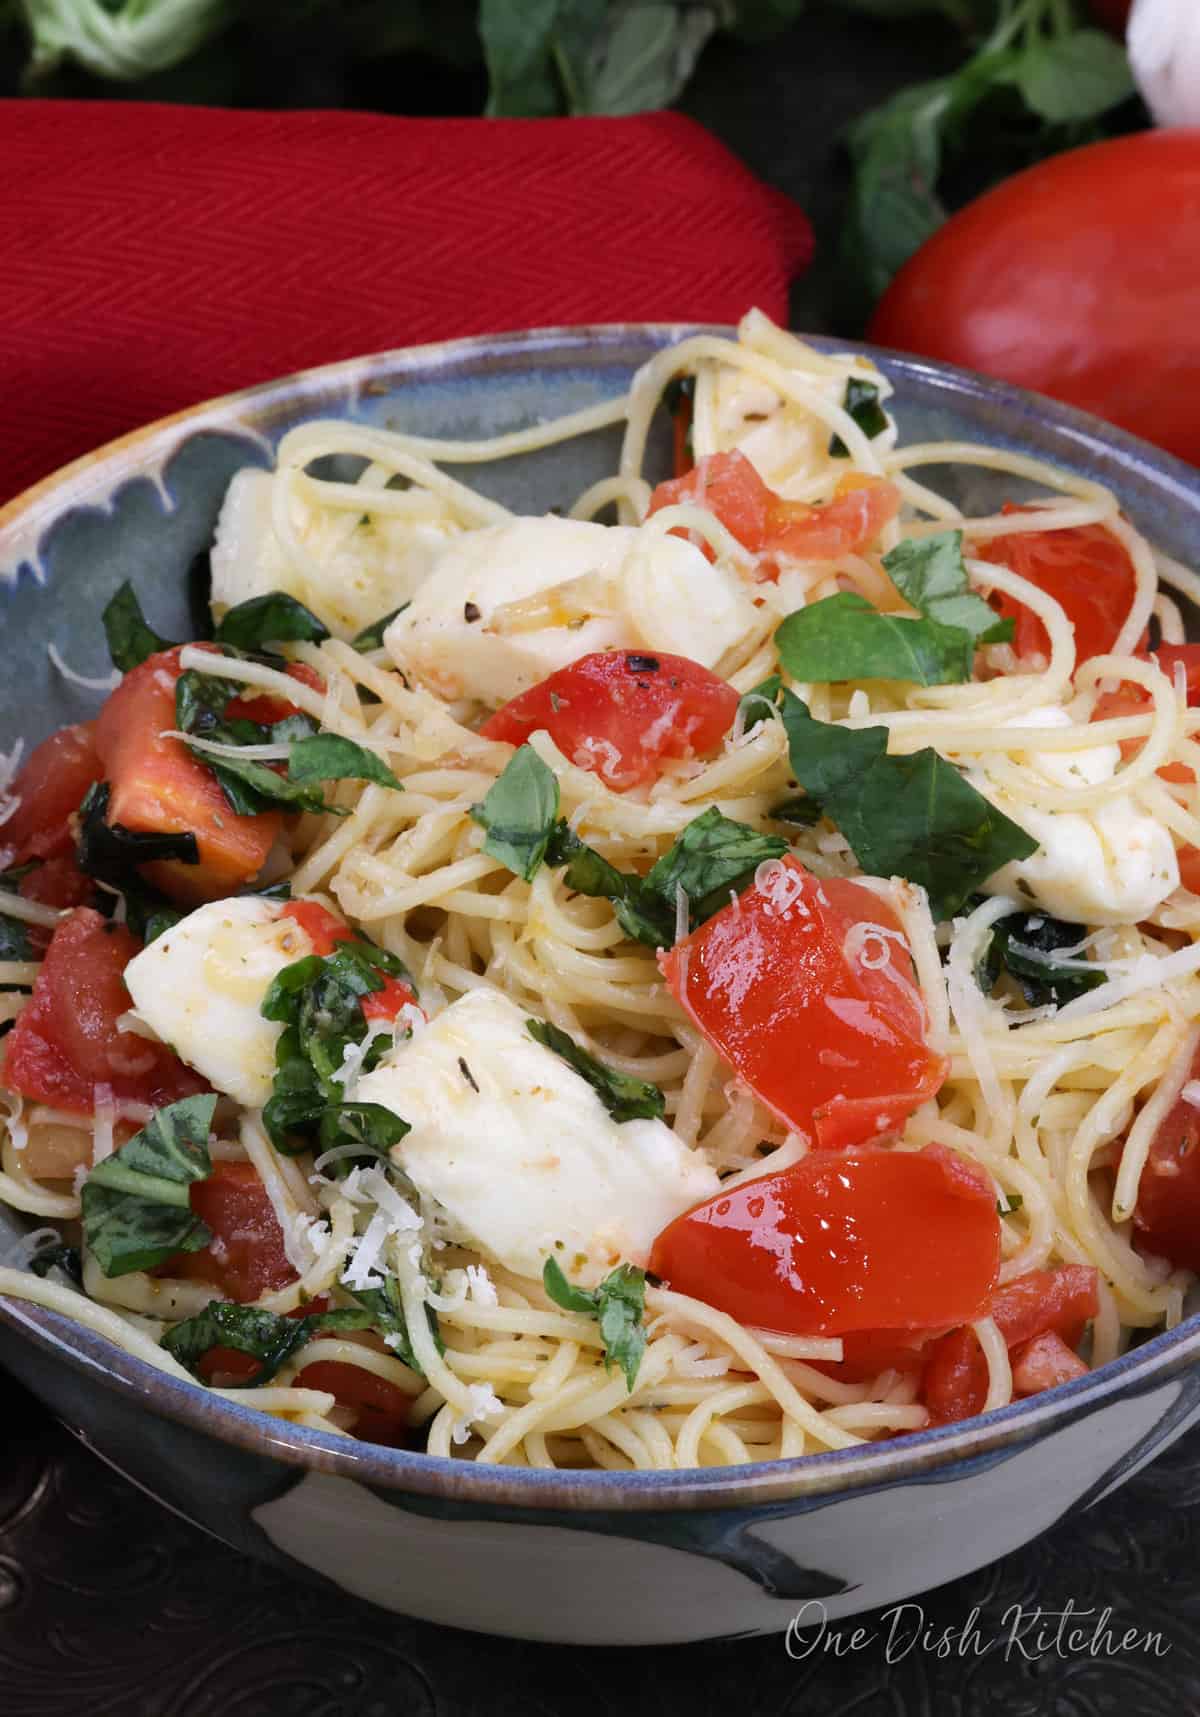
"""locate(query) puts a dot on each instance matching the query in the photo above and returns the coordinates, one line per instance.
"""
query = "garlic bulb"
(1164, 51)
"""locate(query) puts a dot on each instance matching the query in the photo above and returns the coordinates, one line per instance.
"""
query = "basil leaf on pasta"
(387, 1316)
(330, 757)
(519, 813)
(371, 637)
(861, 402)
(130, 640)
(274, 618)
(1029, 947)
(136, 1205)
(713, 855)
(642, 917)
(844, 637)
(618, 1305)
(625, 1098)
(930, 573)
(261, 1335)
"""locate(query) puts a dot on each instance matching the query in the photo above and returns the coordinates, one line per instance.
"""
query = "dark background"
(111, 1607)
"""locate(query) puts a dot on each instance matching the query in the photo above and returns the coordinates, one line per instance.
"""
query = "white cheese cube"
(520, 1152)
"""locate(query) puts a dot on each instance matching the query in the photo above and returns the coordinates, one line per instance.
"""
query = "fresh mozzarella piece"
(510, 604)
(520, 1152)
(683, 604)
(1110, 865)
(367, 566)
(200, 986)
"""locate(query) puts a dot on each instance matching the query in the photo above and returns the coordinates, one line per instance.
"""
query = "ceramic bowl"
(587, 1557)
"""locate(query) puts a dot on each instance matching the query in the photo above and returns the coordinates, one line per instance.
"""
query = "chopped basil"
(619, 1305)
(136, 1208)
(625, 1098)
(930, 573)
(112, 853)
(330, 757)
(371, 637)
(519, 813)
(642, 917)
(861, 401)
(264, 1336)
(319, 1002)
(845, 637)
(274, 618)
(148, 914)
(802, 811)
(387, 1314)
(712, 855)
(914, 816)
(130, 639)
(1026, 946)
(58, 1256)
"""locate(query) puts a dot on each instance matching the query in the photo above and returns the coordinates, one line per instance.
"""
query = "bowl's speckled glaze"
(589, 1557)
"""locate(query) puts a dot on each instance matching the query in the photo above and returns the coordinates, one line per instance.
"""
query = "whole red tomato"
(1079, 278)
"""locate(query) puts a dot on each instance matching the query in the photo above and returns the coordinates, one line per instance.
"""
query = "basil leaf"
(387, 1315)
(136, 1209)
(111, 853)
(1074, 77)
(861, 401)
(14, 937)
(844, 637)
(802, 811)
(251, 788)
(200, 701)
(618, 1304)
(264, 1336)
(130, 640)
(329, 757)
(625, 1098)
(519, 813)
(371, 637)
(642, 917)
(274, 618)
(57, 1256)
(712, 855)
(148, 914)
(1025, 945)
(930, 573)
(368, 1125)
(829, 761)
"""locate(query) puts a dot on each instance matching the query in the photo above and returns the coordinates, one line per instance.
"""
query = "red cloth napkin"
(153, 256)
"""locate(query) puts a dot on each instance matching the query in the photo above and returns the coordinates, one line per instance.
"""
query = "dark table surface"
(111, 1607)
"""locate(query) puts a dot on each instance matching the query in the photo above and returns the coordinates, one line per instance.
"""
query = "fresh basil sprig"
(914, 816)
(274, 618)
(625, 1098)
(318, 1000)
(264, 1336)
(1025, 945)
(130, 639)
(845, 637)
(136, 1208)
(861, 402)
(930, 573)
(618, 1304)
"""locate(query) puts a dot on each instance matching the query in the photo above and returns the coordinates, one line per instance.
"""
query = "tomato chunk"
(1130, 699)
(1085, 569)
(222, 1366)
(65, 1042)
(58, 881)
(48, 790)
(1044, 1363)
(380, 1409)
(266, 708)
(159, 787)
(325, 931)
(806, 988)
(246, 1257)
(620, 714)
(728, 485)
(1043, 1302)
(867, 1239)
(1166, 1218)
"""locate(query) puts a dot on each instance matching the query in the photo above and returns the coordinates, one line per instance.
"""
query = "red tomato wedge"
(1166, 1218)
(1044, 1363)
(764, 523)
(867, 1239)
(245, 1258)
(65, 1042)
(380, 1409)
(1130, 699)
(1085, 569)
(266, 708)
(48, 790)
(325, 931)
(159, 787)
(1043, 1302)
(806, 988)
(620, 714)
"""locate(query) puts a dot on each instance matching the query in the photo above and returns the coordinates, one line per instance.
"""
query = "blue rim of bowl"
(917, 1456)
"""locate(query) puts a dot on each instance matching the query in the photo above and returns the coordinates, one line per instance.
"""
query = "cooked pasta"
(1051, 1073)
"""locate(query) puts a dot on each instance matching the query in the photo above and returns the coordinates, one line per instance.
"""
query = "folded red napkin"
(153, 256)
